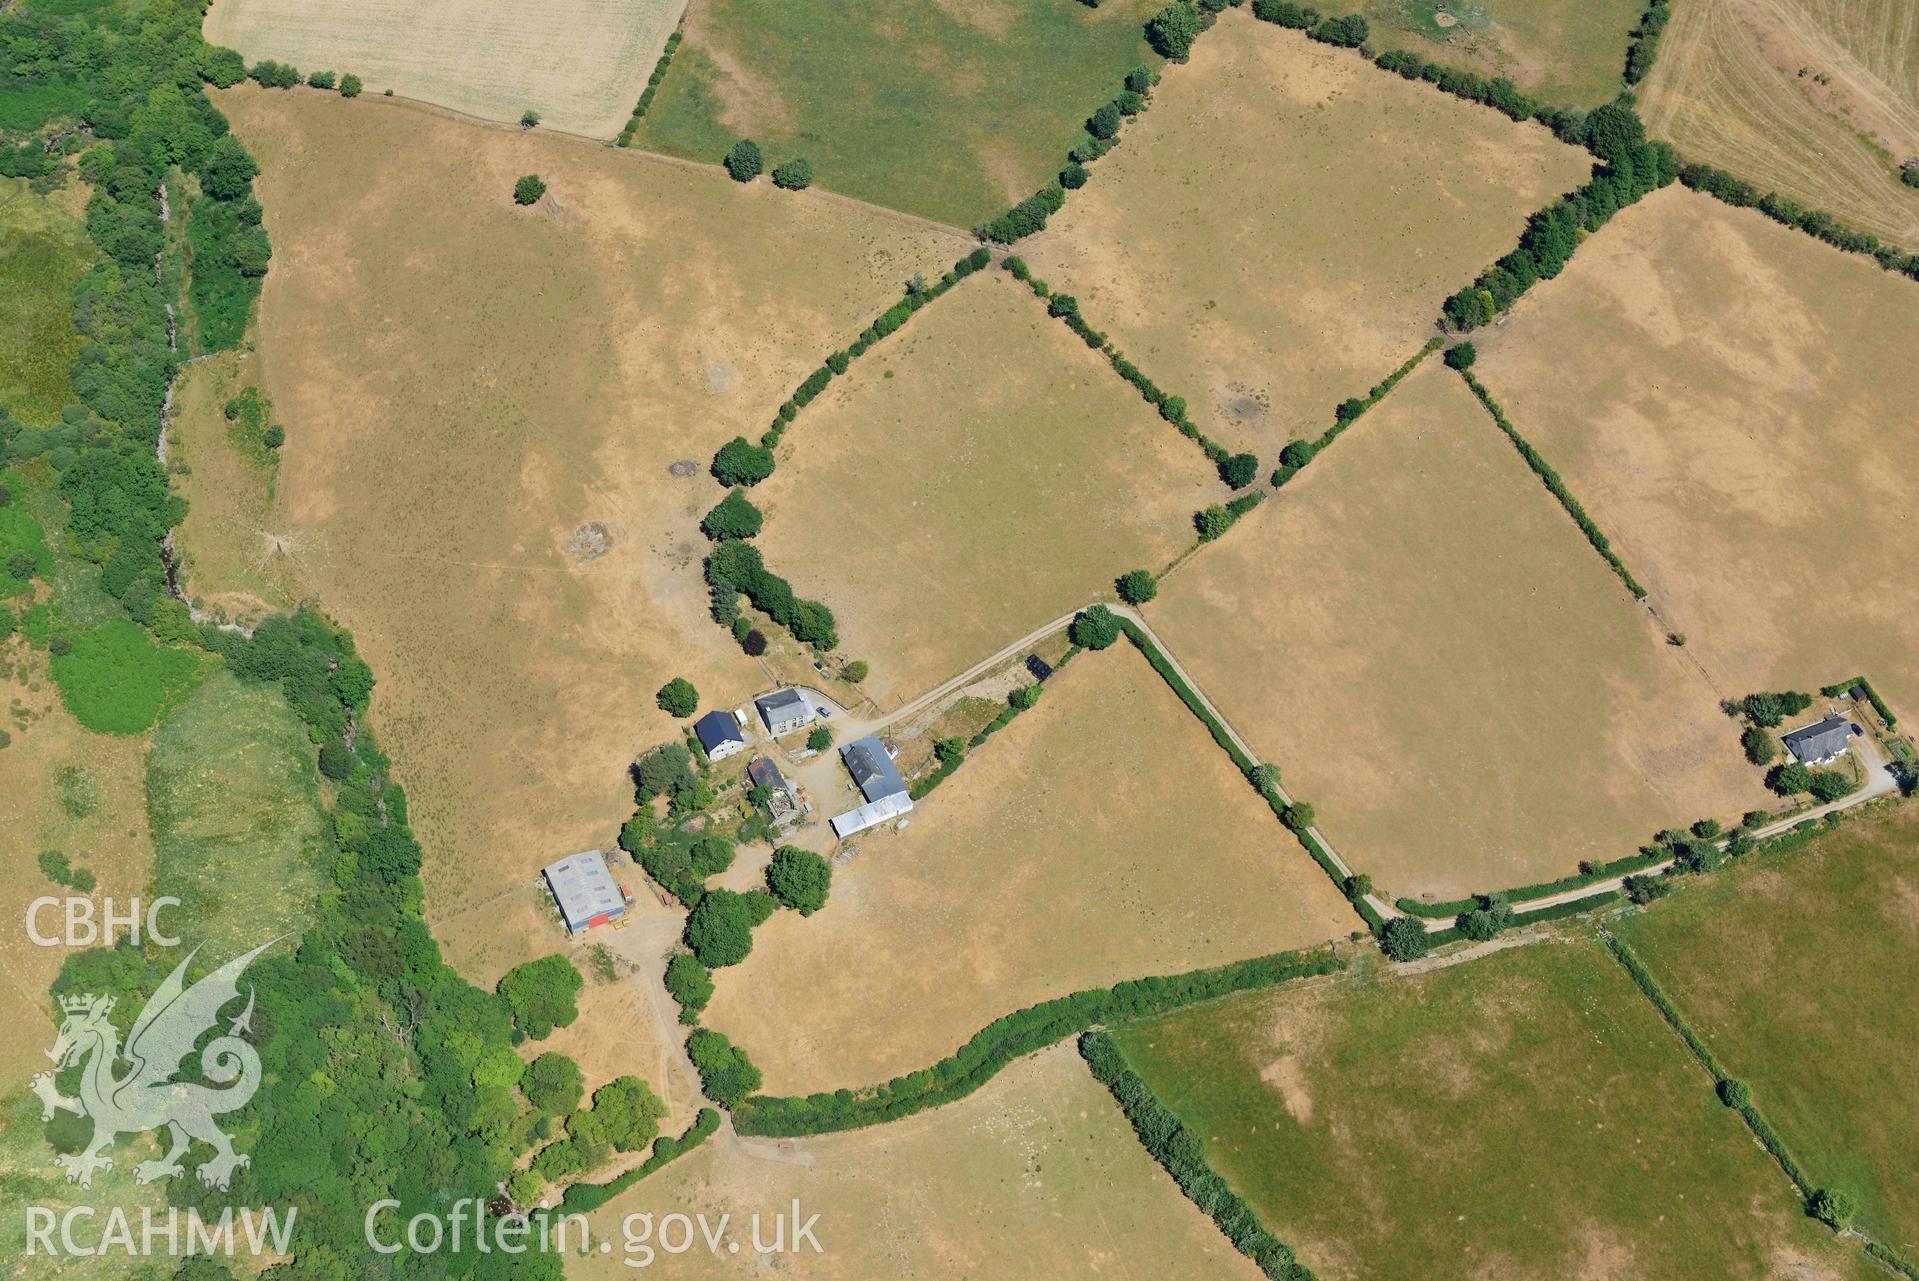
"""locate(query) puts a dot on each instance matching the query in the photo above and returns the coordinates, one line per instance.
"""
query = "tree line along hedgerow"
(1183, 1155)
(1553, 482)
(1298, 453)
(652, 87)
(735, 568)
(1013, 1036)
(1236, 470)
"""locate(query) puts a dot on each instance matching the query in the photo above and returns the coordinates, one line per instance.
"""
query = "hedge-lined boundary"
(1872, 696)
(947, 769)
(581, 1198)
(1065, 308)
(1645, 41)
(1300, 452)
(1014, 1036)
(1181, 1154)
(1767, 1136)
(1103, 128)
(1249, 768)
(1526, 893)
(652, 86)
(740, 465)
(1551, 479)
(1817, 223)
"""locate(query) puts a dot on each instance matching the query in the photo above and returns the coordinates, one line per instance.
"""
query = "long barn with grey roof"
(879, 782)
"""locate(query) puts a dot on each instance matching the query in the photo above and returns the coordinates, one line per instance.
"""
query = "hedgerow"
(1019, 1033)
(1297, 454)
(1872, 696)
(1553, 482)
(1181, 1153)
(1645, 41)
(583, 1198)
(1065, 308)
(652, 87)
(1544, 889)
(1741, 194)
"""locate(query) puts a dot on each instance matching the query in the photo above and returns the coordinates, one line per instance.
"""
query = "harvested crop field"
(1278, 231)
(949, 110)
(1746, 470)
(1525, 1115)
(580, 63)
(975, 476)
(1818, 99)
(1560, 51)
(1421, 639)
(1037, 1175)
(479, 472)
(1797, 971)
(1101, 836)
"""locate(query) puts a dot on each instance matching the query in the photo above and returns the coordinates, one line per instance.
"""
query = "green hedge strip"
(1245, 764)
(1551, 479)
(1015, 1035)
(582, 1198)
(1525, 893)
(1872, 696)
(1181, 1154)
(1298, 453)
(652, 87)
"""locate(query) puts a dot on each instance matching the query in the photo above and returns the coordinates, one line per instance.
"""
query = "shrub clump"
(795, 175)
(528, 190)
(678, 698)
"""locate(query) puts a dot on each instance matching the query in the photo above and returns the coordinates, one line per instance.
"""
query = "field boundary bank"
(1182, 1154)
(1554, 483)
(1737, 1095)
(739, 465)
(1298, 453)
(665, 61)
(1024, 1031)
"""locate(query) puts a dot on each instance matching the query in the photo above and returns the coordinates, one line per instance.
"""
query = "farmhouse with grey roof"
(879, 782)
(719, 733)
(872, 769)
(784, 710)
(1817, 744)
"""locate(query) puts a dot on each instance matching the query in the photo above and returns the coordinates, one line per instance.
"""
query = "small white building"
(720, 735)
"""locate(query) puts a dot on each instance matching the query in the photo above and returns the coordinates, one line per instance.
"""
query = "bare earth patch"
(1285, 222)
(1415, 632)
(454, 419)
(1101, 836)
(580, 63)
(1036, 1175)
(976, 475)
(1754, 474)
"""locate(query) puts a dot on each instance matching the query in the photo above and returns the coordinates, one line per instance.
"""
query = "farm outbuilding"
(720, 734)
(784, 711)
(1822, 742)
(879, 781)
(585, 890)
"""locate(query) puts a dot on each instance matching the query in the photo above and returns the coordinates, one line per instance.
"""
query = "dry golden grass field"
(466, 429)
(1415, 632)
(1037, 1175)
(1560, 51)
(231, 555)
(1798, 972)
(61, 788)
(580, 63)
(1099, 837)
(976, 475)
(1816, 98)
(1526, 1116)
(1733, 403)
(1278, 232)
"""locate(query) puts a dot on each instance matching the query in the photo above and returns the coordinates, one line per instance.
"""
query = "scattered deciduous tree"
(528, 190)
(1404, 939)
(540, 995)
(799, 878)
(678, 698)
(1095, 628)
(744, 161)
(1137, 586)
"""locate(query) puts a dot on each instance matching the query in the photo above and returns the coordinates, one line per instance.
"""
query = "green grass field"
(43, 253)
(1561, 51)
(948, 111)
(1524, 1115)
(1797, 971)
(238, 831)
